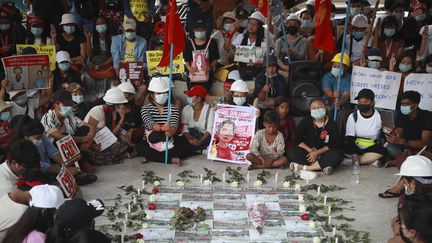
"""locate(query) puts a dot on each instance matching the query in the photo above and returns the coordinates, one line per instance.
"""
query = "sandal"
(328, 170)
(389, 194)
(293, 166)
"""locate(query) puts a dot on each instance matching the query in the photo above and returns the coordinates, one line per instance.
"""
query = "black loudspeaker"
(304, 85)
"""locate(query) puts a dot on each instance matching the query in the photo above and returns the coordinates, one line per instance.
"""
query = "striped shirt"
(150, 116)
(52, 124)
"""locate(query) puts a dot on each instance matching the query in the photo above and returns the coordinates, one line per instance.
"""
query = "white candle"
(169, 178)
(336, 240)
(139, 192)
(329, 210)
(329, 219)
(307, 181)
(247, 177)
(126, 217)
(124, 227)
(134, 199)
(276, 178)
(325, 200)
(334, 231)
(319, 190)
(143, 185)
(129, 208)
(223, 177)
(122, 237)
(201, 178)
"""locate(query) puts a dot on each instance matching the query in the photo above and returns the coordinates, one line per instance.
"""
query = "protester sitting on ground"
(363, 130)
(227, 95)
(355, 41)
(36, 35)
(240, 91)
(81, 107)
(64, 74)
(267, 149)
(427, 68)
(158, 127)
(317, 142)
(286, 123)
(43, 200)
(227, 31)
(404, 63)
(5, 132)
(74, 218)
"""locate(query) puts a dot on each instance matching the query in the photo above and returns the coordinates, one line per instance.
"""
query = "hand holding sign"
(67, 182)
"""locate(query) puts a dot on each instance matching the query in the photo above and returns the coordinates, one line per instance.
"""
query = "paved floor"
(372, 213)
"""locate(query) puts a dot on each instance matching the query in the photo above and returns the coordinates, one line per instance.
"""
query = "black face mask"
(364, 108)
(292, 30)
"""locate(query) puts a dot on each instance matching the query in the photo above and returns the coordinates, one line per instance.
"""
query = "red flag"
(174, 33)
(262, 6)
(324, 38)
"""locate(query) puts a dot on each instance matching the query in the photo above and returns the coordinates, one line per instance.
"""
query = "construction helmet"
(158, 85)
(115, 96)
(346, 59)
(416, 166)
(258, 16)
(127, 87)
(239, 86)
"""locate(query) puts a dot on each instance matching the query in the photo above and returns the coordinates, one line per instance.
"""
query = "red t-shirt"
(287, 128)
(224, 153)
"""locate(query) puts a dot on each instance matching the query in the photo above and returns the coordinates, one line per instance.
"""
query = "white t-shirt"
(357, 48)
(10, 211)
(98, 114)
(188, 121)
(7, 179)
(239, 39)
(218, 35)
(369, 128)
(26, 110)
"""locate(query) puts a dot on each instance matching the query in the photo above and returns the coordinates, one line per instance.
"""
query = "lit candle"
(169, 178)
(319, 190)
(201, 178)
(334, 231)
(139, 192)
(143, 185)
(336, 240)
(276, 178)
(247, 177)
(129, 208)
(329, 219)
(325, 200)
(329, 210)
(134, 199)
(223, 177)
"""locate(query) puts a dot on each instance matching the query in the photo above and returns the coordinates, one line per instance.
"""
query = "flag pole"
(169, 100)
(342, 55)
(283, 20)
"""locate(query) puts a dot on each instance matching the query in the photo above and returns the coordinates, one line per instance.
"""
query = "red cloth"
(287, 128)
(324, 38)
(174, 34)
(262, 6)
(4, 132)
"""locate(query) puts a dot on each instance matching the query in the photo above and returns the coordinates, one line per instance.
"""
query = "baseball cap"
(76, 213)
(365, 93)
(374, 54)
(199, 23)
(64, 97)
(129, 24)
(46, 196)
(414, 96)
(197, 90)
(62, 56)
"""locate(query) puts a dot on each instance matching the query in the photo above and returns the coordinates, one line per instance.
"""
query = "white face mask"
(239, 100)
(161, 98)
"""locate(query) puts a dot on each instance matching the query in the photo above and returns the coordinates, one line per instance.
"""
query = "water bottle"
(356, 170)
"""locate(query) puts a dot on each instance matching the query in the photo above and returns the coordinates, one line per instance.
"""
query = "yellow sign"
(41, 49)
(139, 9)
(153, 59)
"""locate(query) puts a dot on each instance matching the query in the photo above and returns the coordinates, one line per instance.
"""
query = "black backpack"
(87, 8)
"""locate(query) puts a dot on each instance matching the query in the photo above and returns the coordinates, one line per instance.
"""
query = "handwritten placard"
(385, 85)
(105, 138)
(422, 83)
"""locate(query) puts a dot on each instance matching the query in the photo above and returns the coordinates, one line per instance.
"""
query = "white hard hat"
(310, 2)
(46, 196)
(360, 21)
(68, 19)
(295, 17)
(127, 87)
(62, 56)
(239, 86)
(258, 16)
(234, 75)
(416, 166)
(115, 96)
(158, 84)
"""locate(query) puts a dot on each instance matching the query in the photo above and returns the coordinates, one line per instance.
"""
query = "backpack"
(87, 8)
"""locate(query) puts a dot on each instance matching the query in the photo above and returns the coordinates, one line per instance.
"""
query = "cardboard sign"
(247, 54)
(68, 150)
(385, 85)
(28, 72)
(422, 83)
(233, 130)
(67, 182)
(132, 71)
(41, 49)
(153, 59)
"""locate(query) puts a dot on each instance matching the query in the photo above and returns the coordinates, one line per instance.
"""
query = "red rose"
(155, 190)
(304, 216)
(139, 236)
(152, 206)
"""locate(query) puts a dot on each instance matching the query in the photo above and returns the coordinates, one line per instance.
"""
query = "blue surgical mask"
(5, 116)
(130, 35)
(69, 29)
(101, 28)
(239, 100)
(64, 66)
(318, 113)
(4, 27)
(190, 101)
(335, 72)
(36, 31)
(420, 17)
(355, 11)
(161, 98)
(307, 23)
(374, 64)
(66, 111)
(405, 110)
(200, 34)
(78, 99)
(389, 32)
(404, 68)
(37, 142)
(358, 35)
(227, 27)
(428, 69)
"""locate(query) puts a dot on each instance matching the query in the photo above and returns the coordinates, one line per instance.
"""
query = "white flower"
(152, 198)
(148, 217)
(207, 182)
(180, 183)
(311, 224)
(140, 241)
(156, 183)
(286, 184)
(302, 208)
(145, 226)
(234, 184)
(248, 162)
(316, 239)
(258, 183)
(297, 187)
(300, 197)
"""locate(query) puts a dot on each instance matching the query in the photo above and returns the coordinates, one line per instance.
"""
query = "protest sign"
(67, 182)
(68, 150)
(105, 138)
(27, 72)
(153, 59)
(40, 49)
(233, 129)
(385, 85)
(247, 54)
(422, 83)
(132, 71)
(139, 9)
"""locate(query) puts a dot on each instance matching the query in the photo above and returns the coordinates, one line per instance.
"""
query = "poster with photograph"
(248, 54)
(233, 130)
(49, 50)
(132, 71)
(153, 59)
(28, 72)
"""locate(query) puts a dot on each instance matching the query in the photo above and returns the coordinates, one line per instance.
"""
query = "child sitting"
(286, 123)
(268, 145)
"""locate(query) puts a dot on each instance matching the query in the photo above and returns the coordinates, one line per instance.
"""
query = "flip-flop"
(388, 192)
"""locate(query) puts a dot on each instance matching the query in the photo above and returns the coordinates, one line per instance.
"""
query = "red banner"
(324, 38)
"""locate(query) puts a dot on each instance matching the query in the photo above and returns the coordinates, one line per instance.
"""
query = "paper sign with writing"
(153, 59)
(105, 138)
(49, 50)
(132, 71)
(422, 83)
(67, 182)
(68, 150)
(385, 85)
(247, 54)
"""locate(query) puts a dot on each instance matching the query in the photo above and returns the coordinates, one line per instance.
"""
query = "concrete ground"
(372, 213)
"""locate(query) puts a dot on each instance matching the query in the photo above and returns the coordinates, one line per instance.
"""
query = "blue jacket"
(118, 49)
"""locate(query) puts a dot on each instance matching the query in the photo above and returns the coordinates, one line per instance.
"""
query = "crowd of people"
(85, 96)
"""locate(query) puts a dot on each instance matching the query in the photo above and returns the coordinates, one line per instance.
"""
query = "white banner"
(385, 85)
(422, 83)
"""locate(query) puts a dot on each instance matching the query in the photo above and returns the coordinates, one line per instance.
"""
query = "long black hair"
(31, 38)
(96, 41)
(416, 214)
(260, 35)
(389, 20)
